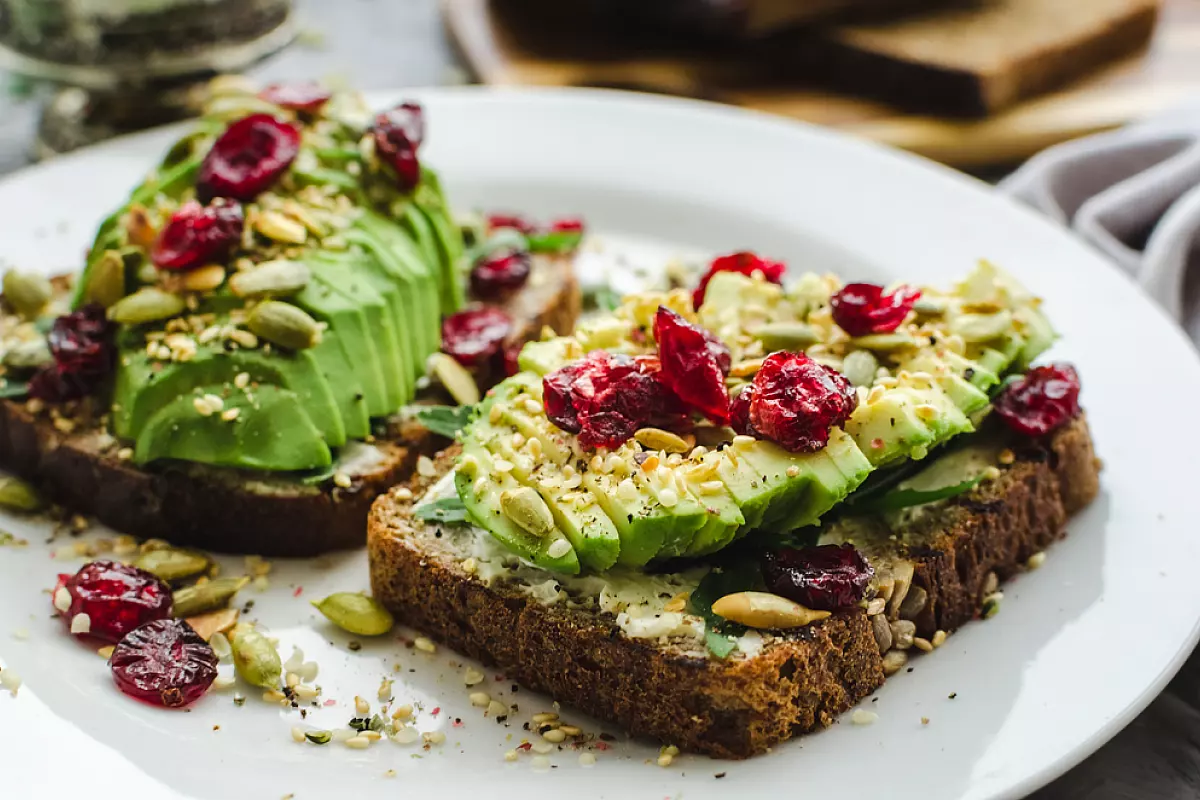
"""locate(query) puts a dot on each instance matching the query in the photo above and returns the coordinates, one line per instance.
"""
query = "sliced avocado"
(999, 354)
(725, 518)
(433, 205)
(686, 514)
(271, 432)
(480, 492)
(423, 235)
(1039, 335)
(336, 360)
(545, 357)
(762, 487)
(833, 473)
(354, 318)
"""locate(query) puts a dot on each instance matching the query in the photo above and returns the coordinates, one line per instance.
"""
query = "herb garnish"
(601, 298)
(560, 242)
(448, 510)
(720, 634)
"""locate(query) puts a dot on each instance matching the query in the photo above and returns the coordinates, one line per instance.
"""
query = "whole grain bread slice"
(972, 58)
(671, 689)
(67, 451)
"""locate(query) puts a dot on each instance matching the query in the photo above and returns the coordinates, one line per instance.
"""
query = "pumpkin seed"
(106, 279)
(793, 336)
(455, 378)
(356, 613)
(884, 342)
(147, 274)
(658, 439)
(279, 227)
(214, 622)
(319, 737)
(712, 435)
(981, 327)
(930, 306)
(254, 657)
(203, 279)
(28, 355)
(745, 369)
(148, 304)
(765, 611)
(173, 565)
(26, 292)
(284, 324)
(528, 510)
(202, 598)
(859, 367)
(18, 495)
(278, 278)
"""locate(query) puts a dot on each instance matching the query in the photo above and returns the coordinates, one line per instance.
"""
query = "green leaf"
(444, 420)
(448, 510)
(719, 644)
(13, 389)
(602, 298)
(741, 576)
(560, 242)
(907, 498)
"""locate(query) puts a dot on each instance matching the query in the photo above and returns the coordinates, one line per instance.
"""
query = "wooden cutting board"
(504, 43)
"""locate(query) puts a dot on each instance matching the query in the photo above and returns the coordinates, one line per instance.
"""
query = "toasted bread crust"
(228, 510)
(741, 706)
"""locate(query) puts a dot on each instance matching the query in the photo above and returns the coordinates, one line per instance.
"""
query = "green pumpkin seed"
(982, 327)
(528, 510)
(793, 336)
(859, 367)
(271, 278)
(205, 597)
(173, 565)
(712, 435)
(284, 324)
(146, 305)
(106, 279)
(279, 227)
(319, 737)
(254, 657)
(930, 306)
(17, 495)
(356, 613)
(455, 378)
(28, 355)
(147, 274)
(26, 292)
(884, 342)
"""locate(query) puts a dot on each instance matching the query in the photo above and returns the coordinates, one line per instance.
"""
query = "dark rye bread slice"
(972, 58)
(799, 681)
(227, 510)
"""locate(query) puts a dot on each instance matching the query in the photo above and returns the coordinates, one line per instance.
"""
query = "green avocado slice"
(272, 432)
(432, 202)
(336, 360)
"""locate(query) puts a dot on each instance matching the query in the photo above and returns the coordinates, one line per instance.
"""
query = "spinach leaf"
(560, 242)
(448, 510)
(907, 498)
(719, 644)
(741, 576)
(444, 420)
(602, 298)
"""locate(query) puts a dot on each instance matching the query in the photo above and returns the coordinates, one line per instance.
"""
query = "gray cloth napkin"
(1134, 194)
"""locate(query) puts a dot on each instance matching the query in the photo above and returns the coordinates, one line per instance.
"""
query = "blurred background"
(978, 84)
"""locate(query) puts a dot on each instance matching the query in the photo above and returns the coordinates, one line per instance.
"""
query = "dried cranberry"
(694, 364)
(500, 273)
(165, 663)
(1044, 399)
(475, 336)
(744, 263)
(197, 235)
(398, 135)
(247, 158)
(862, 308)
(825, 578)
(605, 398)
(567, 225)
(116, 597)
(794, 401)
(739, 412)
(82, 345)
(512, 355)
(307, 97)
(513, 221)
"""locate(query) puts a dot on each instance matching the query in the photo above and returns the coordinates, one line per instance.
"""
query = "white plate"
(1079, 648)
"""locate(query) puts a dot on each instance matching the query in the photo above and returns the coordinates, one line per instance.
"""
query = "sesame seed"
(554, 736)
(405, 736)
(924, 645)
(518, 440)
(402, 493)
(241, 380)
(361, 707)
(81, 623)
(924, 720)
(273, 696)
(939, 638)
(473, 676)
(385, 689)
(424, 645)
(358, 742)
(305, 692)
(1036, 560)
(62, 599)
(231, 414)
(793, 471)
(863, 717)
(125, 453)
(342, 479)
(571, 730)
(742, 440)
(665, 759)
(298, 734)
(1006, 456)
(542, 747)
(558, 548)
(434, 737)
(668, 498)
(291, 680)
(587, 759)
(374, 736)
(402, 712)
(480, 699)
(496, 709)
(711, 487)
(391, 773)
(425, 467)
(202, 407)
(511, 755)
(10, 680)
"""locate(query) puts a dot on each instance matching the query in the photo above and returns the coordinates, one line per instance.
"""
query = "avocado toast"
(725, 574)
(238, 364)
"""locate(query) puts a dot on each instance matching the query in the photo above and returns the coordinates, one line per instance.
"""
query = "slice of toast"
(69, 454)
(973, 58)
(781, 683)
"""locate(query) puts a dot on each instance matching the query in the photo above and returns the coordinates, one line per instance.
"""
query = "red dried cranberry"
(1044, 399)
(739, 412)
(744, 263)
(398, 135)
(794, 402)
(82, 346)
(247, 158)
(825, 578)
(862, 308)
(116, 597)
(165, 663)
(500, 273)
(567, 225)
(475, 336)
(605, 398)
(512, 355)
(496, 221)
(694, 364)
(197, 235)
(307, 97)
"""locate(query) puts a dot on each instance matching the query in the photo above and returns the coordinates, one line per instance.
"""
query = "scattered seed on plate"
(434, 737)
(405, 736)
(480, 699)
(362, 707)
(425, 645)
(540, 763)
(385, 689)
(863, 717)
(587, 759)
(402, 712)
(473, 676)
(511, 755)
